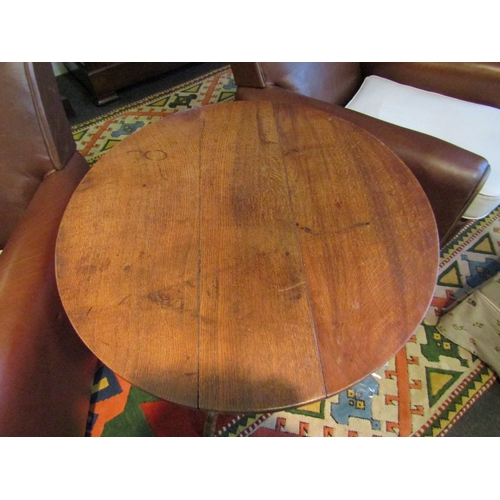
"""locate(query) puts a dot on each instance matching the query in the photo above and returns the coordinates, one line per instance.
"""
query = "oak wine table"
(247, 257)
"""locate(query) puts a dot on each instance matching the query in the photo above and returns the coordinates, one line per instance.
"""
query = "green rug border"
(466, 232)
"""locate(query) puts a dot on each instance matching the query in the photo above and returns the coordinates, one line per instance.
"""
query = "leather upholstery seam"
(262, 75)
(50, 173)
(42, 119)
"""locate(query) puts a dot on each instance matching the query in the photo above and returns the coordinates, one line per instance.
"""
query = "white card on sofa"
(471, 126)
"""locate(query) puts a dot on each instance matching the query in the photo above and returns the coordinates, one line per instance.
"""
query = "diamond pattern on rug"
(422, 391)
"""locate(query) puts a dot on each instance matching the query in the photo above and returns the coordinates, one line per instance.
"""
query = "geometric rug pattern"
(422, 391)
(431, 382)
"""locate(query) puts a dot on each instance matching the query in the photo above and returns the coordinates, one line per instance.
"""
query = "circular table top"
(247, 257)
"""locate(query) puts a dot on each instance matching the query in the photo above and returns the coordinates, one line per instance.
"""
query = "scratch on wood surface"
(291, 287)
(123, 300)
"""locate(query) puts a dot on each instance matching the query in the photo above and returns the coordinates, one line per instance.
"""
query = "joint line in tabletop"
(200, 144)
(297, 237)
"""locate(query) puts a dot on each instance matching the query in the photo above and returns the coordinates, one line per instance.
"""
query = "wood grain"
(247, 257)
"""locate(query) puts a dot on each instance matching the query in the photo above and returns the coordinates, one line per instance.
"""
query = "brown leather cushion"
(334, 83)
(35, 137)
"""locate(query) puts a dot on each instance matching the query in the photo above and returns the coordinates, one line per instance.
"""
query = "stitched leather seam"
(42, 119)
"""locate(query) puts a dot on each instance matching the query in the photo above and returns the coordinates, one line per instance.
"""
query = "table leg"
(210, 422)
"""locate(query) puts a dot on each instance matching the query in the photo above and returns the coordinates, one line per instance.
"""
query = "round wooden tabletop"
(247, 257)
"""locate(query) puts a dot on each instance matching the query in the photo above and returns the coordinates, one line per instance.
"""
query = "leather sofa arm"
(35, 137)
(335, 83)
(450, 176)
(46, 371)
(52, 119)
(248, 74)
(474, 82)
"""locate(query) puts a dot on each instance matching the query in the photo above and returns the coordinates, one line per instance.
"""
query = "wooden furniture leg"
(210, 421)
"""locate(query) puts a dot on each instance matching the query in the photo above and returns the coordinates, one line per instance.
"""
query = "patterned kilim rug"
(422, 391)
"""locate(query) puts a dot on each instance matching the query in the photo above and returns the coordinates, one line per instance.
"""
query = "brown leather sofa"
(46, 372)
(450, 176)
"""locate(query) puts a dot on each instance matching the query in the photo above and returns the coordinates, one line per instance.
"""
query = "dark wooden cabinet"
(103, 79)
